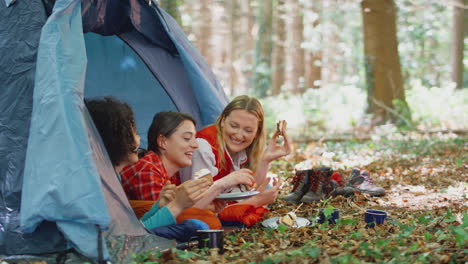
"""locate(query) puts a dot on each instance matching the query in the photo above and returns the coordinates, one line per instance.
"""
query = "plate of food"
(289, 220)
(236, 195)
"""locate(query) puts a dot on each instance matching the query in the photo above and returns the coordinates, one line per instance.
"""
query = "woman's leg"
(181, 232)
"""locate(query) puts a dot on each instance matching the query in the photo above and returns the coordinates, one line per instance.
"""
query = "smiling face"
(178, 148)
(239, 129)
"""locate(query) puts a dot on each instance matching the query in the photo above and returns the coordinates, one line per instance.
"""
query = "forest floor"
(426, 183)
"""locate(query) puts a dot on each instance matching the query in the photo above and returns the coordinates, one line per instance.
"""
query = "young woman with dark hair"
(115, 122)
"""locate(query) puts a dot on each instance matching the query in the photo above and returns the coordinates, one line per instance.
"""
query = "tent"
(58, 190)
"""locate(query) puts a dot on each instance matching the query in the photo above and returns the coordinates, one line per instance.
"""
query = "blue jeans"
(181, 232)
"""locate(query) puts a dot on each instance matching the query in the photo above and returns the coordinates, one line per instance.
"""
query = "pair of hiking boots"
(313, 185)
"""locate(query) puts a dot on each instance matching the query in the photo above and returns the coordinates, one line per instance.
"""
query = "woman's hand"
(274, 151)
(167, 194)
(187, 194)
(242, 176)
(268, 196)
(217, 205)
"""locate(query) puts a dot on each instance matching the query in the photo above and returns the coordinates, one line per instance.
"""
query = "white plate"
(236, 195)
(273, 222)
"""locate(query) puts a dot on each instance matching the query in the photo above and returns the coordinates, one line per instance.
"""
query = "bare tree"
(313, 68)
(297, 52)
(458, 36)
(264, 46)
(386, 96)
(204, 29)
(278, 64)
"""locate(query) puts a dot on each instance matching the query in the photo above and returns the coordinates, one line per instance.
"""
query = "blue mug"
(335, 215)
(373, 217)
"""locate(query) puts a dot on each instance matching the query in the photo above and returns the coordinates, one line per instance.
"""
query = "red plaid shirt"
(145, 179)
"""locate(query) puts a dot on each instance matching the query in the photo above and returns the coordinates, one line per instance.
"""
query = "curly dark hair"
(116, 124)
(165, 123)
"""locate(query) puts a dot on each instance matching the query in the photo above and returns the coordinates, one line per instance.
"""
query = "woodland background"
(372, 84)
(338, 66)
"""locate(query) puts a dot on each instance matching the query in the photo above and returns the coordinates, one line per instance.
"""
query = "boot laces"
(298, 179)
(367, 178)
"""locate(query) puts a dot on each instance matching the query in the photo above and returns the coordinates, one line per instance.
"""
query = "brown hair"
(165, 124)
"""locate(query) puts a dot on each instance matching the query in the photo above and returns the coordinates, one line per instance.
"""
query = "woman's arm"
(267, 196)
(157, 217)
(203, 158)
(184, 196)
(273, 152)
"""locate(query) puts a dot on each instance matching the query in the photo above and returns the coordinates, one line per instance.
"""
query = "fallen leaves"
(426, 202)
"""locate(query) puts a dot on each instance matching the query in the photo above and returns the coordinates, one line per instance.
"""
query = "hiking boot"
(368, 186)
(355, 178)
(319, 185)
(301, 186)
(314, 194)
(339, 187)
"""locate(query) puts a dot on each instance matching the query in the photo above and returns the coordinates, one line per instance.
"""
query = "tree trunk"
(313, 68)
(278, 64)
(263, 49)
(171, 7)
(244, 64)
(386, 96)
(458, 36)
(204, 31)
(232, 7)
(297, 69)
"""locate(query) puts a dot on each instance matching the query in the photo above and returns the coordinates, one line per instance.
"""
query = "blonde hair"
(256, 149)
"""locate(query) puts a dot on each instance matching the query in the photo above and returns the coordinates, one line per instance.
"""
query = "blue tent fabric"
(113, 18)
(18, 44)
(56, 181)
(208, 92)
(62, 186)
(115, 68)
(9, 2)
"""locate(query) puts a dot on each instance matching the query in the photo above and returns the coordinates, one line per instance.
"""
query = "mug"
(373, 217)
(212, 238)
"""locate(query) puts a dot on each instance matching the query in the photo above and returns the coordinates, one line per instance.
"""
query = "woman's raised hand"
(274, 151)
(242, 176)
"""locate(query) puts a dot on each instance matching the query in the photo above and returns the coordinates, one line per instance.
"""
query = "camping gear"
(246, 214)
(301, 185)
(335, 215)
(59, 192)
(368, 186)
(205, 215)
(213, 238)
(274, 222)
(373, 217)
(320, 185)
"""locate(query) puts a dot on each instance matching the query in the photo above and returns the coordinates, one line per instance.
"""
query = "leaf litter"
(427, 199)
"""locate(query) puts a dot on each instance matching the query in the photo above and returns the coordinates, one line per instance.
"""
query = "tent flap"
(54, 167)
(62, 186)
(19, 39)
